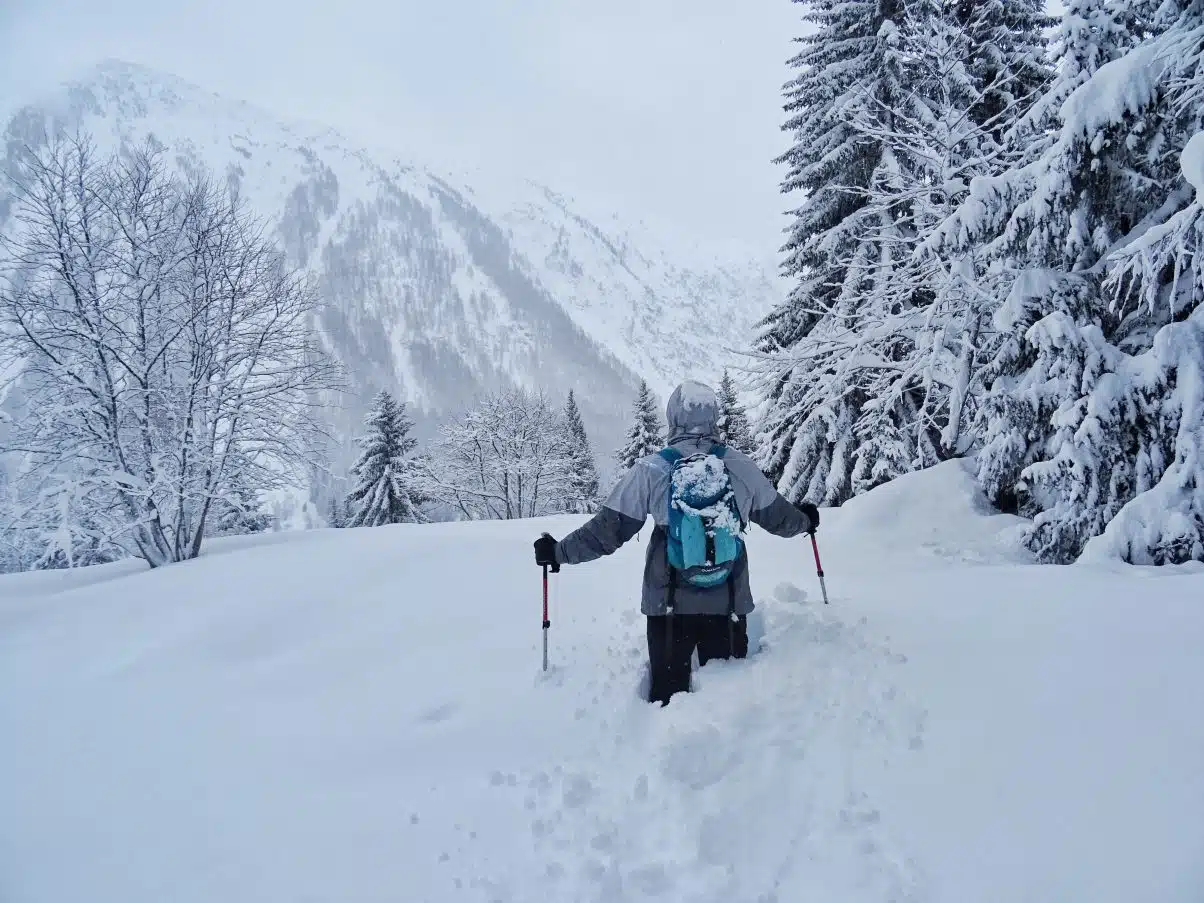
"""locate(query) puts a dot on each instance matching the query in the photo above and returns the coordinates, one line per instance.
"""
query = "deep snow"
(360, 716)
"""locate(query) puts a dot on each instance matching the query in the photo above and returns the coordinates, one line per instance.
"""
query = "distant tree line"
(511, 456)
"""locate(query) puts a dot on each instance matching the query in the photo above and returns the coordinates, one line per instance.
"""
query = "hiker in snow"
(702, 495)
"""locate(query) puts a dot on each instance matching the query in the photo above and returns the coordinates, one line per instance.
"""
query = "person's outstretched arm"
(770, 509)
(620, 518)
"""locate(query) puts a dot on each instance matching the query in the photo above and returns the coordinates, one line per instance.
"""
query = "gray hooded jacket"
(693, 413)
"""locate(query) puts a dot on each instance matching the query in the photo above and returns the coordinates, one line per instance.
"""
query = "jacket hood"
(693, 411)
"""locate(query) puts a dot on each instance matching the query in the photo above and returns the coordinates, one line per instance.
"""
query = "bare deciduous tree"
(161, 342)
(510, 457)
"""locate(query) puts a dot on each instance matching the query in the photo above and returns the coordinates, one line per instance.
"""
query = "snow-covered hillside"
(360, 715)
(434, 287)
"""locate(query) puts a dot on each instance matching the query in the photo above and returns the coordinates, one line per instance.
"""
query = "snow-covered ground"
(360, 716)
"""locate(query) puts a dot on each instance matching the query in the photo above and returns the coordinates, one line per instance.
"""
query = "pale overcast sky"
(665, 108)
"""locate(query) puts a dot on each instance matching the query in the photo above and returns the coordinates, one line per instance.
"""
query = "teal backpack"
(705, 529)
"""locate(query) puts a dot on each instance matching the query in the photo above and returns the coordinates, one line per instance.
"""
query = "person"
(681, 617)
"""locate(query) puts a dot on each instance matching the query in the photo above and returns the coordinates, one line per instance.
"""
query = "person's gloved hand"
(545, 553)
(811, 513)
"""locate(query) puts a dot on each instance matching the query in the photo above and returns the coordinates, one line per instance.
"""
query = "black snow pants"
(672, 641)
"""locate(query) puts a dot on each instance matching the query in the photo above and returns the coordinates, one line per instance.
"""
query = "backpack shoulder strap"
(670, 454)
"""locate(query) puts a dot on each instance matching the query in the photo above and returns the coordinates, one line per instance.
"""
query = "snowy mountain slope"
(428, 291)
(625, 288)
(357, 714)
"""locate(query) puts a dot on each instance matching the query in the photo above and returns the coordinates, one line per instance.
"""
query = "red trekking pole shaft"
(819, 569)
(546, 622)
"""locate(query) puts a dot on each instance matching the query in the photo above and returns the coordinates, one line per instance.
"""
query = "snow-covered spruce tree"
(581, 495)
(238, 511)
(1049, 215)
(647, 433)
(1090, 33)
(1086, 407)
(337, 512)
(847, 75)
(734, 428)
(1007, 57)
(385, 486)
(1155, 403)
(1163, 522)
(868, 365)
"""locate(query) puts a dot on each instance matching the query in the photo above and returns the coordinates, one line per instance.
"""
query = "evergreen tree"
(1054, 214)
(849, 73)
(1087, 425)
(1131, 438)
(647, 433)
(385, 490)
(1006, 57)
(734, 429)
(582, 496)
(994, 259)
(337, 512)
(238, 511)
(1091, 33)
(864, 363)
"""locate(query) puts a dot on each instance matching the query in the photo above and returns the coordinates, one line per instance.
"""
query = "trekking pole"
(546, 622)
(819, 569)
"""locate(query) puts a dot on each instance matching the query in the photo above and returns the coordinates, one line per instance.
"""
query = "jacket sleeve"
(780, 517)
(618, 520)
(769, 509)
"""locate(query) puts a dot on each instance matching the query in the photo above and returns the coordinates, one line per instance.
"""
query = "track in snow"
(748, 789)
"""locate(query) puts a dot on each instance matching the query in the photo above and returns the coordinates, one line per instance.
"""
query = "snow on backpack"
(704, 521)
